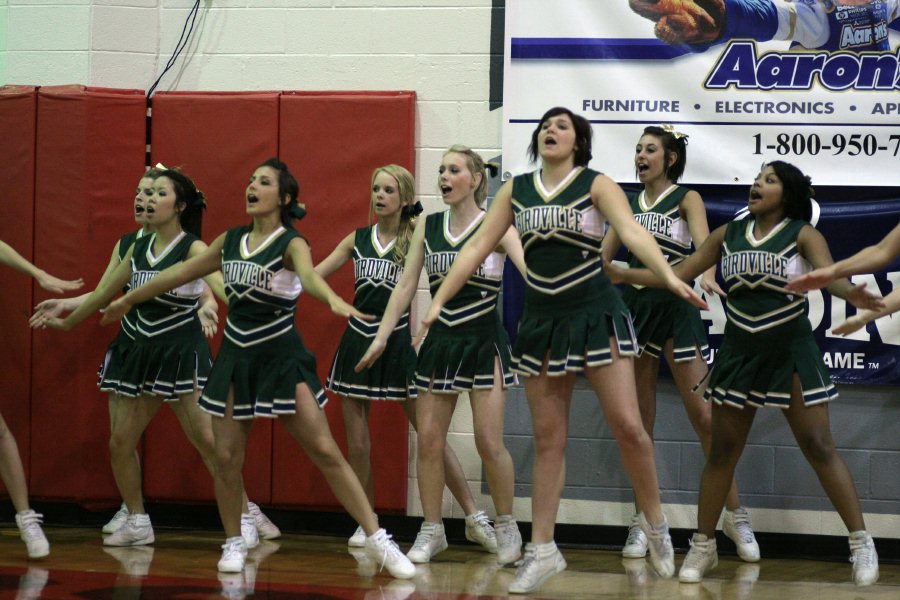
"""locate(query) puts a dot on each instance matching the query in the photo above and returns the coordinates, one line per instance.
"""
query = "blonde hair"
(476, 165)
(406, 189)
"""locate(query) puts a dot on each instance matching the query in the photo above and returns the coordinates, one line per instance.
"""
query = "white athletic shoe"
(266, 529)
(700, 558)
(636, 542)
(135, 531)
(736, 525)
(29, 523)
(509, 541)
(385, 552)
(248, 531)
(358, 539)
(430, 541)
(480, 531)
(541, 562)
(864, 558)
(117, 520)
(234, 553)
(662, 555)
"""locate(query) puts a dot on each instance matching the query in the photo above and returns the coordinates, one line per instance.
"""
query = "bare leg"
(115, 405)
(687, 375)
(197, 426)
(730, 427)
(231, 445)
(11, 470)
(646, 374)
(549, 399)
(132, 419)
(433, 415)
(309, 427)
(488, 412)
(812, 430)
(359, 442)
(614, 385)
(454, 476)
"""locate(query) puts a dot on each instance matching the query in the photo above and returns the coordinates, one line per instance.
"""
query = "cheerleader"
(769, 356)
(573, 322)
(379, 253)
(664, 324)
(263, 368)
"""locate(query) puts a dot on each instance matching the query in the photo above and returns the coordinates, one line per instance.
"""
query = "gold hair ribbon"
(667, 127)
(159, 165)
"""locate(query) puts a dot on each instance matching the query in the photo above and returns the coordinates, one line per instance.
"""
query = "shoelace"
(31, 525)
(389, 546)
(634, 534)
(742, 526)
(423, 539)
(482, 521)
(862, 555)
(506, 532)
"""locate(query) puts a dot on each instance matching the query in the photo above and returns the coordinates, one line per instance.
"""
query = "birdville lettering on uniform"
(247, 273)
(549, 217)
(139, 278)
(377, 269)
(440, 262)
(754, 263)
(655, 223)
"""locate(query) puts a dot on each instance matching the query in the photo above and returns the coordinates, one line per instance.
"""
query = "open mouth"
(549, 141)
(138, 210)
(755, 195)
(446, 189)
(642, 168)
(252, 199)
(379, 205)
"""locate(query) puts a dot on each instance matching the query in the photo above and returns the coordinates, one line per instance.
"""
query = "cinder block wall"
(441, 49)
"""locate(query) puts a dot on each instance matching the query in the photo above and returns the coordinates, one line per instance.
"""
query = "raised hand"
(46, 309)
(852, 324)
(209, 320)
(862, 298)
(684, 21)
(814, 280)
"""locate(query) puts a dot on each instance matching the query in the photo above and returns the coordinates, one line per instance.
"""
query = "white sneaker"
(266, 529)
(234, 553)
(248, 531)
(662, 555)
(864, 558)
(358, 539)
(29, 523)
(117, 520)
(480, 531)
(636, 542)
(540, 563)
(135, 531)
(700, 558)
(509, 541)
(736, 525)
(384, 551)
(430, 541)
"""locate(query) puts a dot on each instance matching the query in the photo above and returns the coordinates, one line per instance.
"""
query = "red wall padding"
(218, 139)
(332, 142)
(18, 114)
(91, 146)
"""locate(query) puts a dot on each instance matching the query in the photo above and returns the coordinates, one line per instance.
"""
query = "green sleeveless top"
(478, 296)
(561, 233)
(756, 271)
(663, 222)
(172, 311)
(262, 293)
(375, 271)
(125, 242)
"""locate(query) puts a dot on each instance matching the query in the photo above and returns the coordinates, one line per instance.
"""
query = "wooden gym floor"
(182, 565)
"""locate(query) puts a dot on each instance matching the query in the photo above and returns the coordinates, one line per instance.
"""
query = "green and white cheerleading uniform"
(462, 345)
(170, 356)
(571, 308)
(658, 314)
(392, 375)
(767, 337)
(109, 373)
(262, 356)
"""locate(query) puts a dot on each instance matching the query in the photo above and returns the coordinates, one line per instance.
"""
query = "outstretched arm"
(299, 259)
(341, 254)
(204, 263)
(813, 247)
(11, 258)
(859, 320)
(511, 244)
(401, 296)
(495, 225)
(694, 211)
(868, 259)
(611, 200)
(702, 23)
